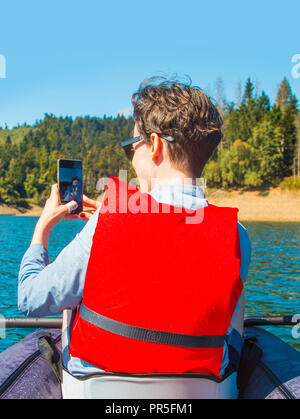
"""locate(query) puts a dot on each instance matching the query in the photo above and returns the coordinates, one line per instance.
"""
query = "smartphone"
(69, 175)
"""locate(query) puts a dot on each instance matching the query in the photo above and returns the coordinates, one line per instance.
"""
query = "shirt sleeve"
(233, 335)
(48, 288)
(245, 245)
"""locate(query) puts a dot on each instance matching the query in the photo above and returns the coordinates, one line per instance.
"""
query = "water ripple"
(273, 285)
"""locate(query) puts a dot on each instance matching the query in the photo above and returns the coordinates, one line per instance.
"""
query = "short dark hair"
(75, 178)
(186, 113)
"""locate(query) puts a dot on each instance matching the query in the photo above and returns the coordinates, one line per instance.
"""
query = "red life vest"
(153, 270)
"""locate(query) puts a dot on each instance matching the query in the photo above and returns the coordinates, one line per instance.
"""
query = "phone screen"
(70, 182)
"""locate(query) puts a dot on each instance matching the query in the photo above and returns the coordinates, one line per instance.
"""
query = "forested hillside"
(28, 164)
(260, 147)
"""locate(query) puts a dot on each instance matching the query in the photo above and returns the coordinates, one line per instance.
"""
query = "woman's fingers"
(54, 195)
(72, 205)
(64, 210)
(90, 202)
(86, 215)
(71, 216)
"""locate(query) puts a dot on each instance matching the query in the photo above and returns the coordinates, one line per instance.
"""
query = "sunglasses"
(129, 150)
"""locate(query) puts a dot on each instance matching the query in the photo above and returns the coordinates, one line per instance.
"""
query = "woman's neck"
(173, 177)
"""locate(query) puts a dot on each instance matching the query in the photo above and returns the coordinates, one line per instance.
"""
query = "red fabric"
(153, 270)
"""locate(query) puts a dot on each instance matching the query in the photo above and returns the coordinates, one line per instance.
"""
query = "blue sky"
(86, 58)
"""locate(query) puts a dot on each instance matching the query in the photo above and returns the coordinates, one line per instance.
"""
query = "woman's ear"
(156, 146)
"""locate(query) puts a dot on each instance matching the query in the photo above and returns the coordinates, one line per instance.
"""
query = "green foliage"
(260, 141)
(290, 183)
(28, 155)
(239, 165)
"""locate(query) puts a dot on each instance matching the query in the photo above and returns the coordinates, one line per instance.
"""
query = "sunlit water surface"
(273, 286)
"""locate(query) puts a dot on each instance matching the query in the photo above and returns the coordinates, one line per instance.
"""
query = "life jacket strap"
(150, 335)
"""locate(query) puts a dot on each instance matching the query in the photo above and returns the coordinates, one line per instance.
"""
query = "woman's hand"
(90, 203)
(52, 213)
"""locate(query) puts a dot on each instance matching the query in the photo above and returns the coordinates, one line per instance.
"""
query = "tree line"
(261, 142)
(260, 147)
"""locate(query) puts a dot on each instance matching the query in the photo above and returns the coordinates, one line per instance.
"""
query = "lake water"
(273, 286)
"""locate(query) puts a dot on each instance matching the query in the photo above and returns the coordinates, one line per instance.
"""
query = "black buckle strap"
(150, 335)
(50, 353)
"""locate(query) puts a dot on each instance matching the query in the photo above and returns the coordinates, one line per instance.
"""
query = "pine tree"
(287, 103)
(283, 94)
(297, 153)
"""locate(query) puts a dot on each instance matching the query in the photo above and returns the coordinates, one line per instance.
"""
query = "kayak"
(269, 369)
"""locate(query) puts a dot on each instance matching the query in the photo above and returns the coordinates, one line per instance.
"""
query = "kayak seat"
(149, 386)
(144, 386)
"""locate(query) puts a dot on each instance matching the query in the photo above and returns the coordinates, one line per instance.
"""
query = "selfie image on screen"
(70, 184)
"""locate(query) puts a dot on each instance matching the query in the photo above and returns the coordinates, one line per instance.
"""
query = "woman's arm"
(46, 289)
(52, 213)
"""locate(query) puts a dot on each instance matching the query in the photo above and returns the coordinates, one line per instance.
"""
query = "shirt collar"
(181, 195)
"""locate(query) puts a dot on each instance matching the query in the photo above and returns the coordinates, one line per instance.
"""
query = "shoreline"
(261, 205)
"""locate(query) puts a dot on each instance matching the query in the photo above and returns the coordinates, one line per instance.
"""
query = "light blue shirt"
(49, 288)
